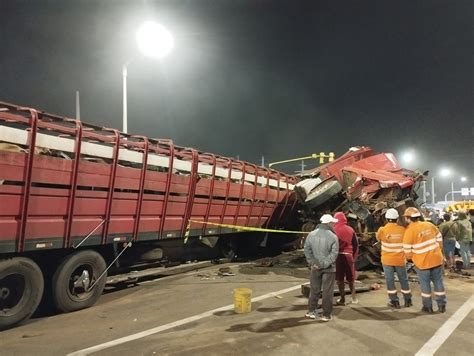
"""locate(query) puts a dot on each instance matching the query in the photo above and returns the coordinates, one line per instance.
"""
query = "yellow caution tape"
(188, 230)
(247, 228)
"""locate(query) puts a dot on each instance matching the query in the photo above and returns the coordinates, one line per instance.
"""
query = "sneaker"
(394, 304)
(442, 308)
(311, 315)
(341, 301)
(408, 303)
(325, 318)
(428, 310)
(354, 301)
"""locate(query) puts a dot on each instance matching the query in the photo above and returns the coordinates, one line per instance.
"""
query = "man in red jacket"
(345, 262)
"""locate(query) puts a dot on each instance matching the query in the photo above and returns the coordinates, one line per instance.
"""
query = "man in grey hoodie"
(321, 249)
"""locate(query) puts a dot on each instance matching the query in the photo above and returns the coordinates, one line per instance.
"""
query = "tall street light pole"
(445, 172)
(450, 192)
(432, 191)
(463, 179)
(124, 76)
(153, 40)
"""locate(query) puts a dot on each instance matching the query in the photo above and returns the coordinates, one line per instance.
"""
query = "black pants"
(321, 281)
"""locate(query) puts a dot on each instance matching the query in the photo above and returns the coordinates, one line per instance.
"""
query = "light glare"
(154, 40)
(445, 172)
(408, 157)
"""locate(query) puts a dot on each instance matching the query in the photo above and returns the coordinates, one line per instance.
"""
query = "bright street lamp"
(463, 179)
(408, 157)
(154, 41)
(445, 172)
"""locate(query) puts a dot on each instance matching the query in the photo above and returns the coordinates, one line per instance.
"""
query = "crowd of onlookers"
(456, 228)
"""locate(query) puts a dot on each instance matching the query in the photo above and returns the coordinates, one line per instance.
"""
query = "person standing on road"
(345, 263)
(422, 243)
(393, 259)
(450, 230)
(471, 214)
(465, 239)
(320, 249)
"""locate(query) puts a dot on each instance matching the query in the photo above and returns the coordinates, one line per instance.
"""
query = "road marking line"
(172, 325)
(433, 344)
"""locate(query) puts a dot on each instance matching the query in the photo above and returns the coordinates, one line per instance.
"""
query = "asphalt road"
(191, 314)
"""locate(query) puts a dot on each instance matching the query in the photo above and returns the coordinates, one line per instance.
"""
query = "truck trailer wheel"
(323, 192)
(228, 248)
(73, 279)
(21, 289)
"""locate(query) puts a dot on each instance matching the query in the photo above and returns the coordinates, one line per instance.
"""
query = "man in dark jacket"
(321, 248)
(465, 239)
(471, 214)
(345, 263)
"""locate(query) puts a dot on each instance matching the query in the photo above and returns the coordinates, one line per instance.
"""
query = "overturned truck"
(362, 184)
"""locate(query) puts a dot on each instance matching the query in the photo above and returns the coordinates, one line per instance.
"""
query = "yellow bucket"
(242, 300)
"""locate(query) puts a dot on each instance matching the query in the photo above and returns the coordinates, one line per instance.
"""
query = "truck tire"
(323, 192)
(21, 289)
(73, 278)
(306, 228)
(228, 248)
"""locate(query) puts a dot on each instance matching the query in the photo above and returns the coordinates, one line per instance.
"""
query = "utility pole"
(263, 161)
(78, 106)
(302, 166)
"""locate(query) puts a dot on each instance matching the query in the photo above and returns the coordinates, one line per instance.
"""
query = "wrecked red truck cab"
(359, 175)
(362, 184)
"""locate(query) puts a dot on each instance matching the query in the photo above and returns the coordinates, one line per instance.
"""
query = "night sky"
(281, 79)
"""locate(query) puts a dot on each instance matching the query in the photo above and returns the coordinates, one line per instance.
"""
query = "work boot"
(394, 304)
(442, 308)
(408, 303)
(428, 310)
(325, 318)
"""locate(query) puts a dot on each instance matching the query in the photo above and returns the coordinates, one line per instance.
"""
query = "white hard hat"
(391, 214)
(327, 218)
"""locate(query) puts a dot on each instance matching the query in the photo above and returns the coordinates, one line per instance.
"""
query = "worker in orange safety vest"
(422, 243)
(393, 259)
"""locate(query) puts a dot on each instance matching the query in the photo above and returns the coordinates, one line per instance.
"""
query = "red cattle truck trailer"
(74, 197)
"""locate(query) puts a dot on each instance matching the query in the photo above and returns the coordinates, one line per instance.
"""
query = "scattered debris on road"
(225, 272)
